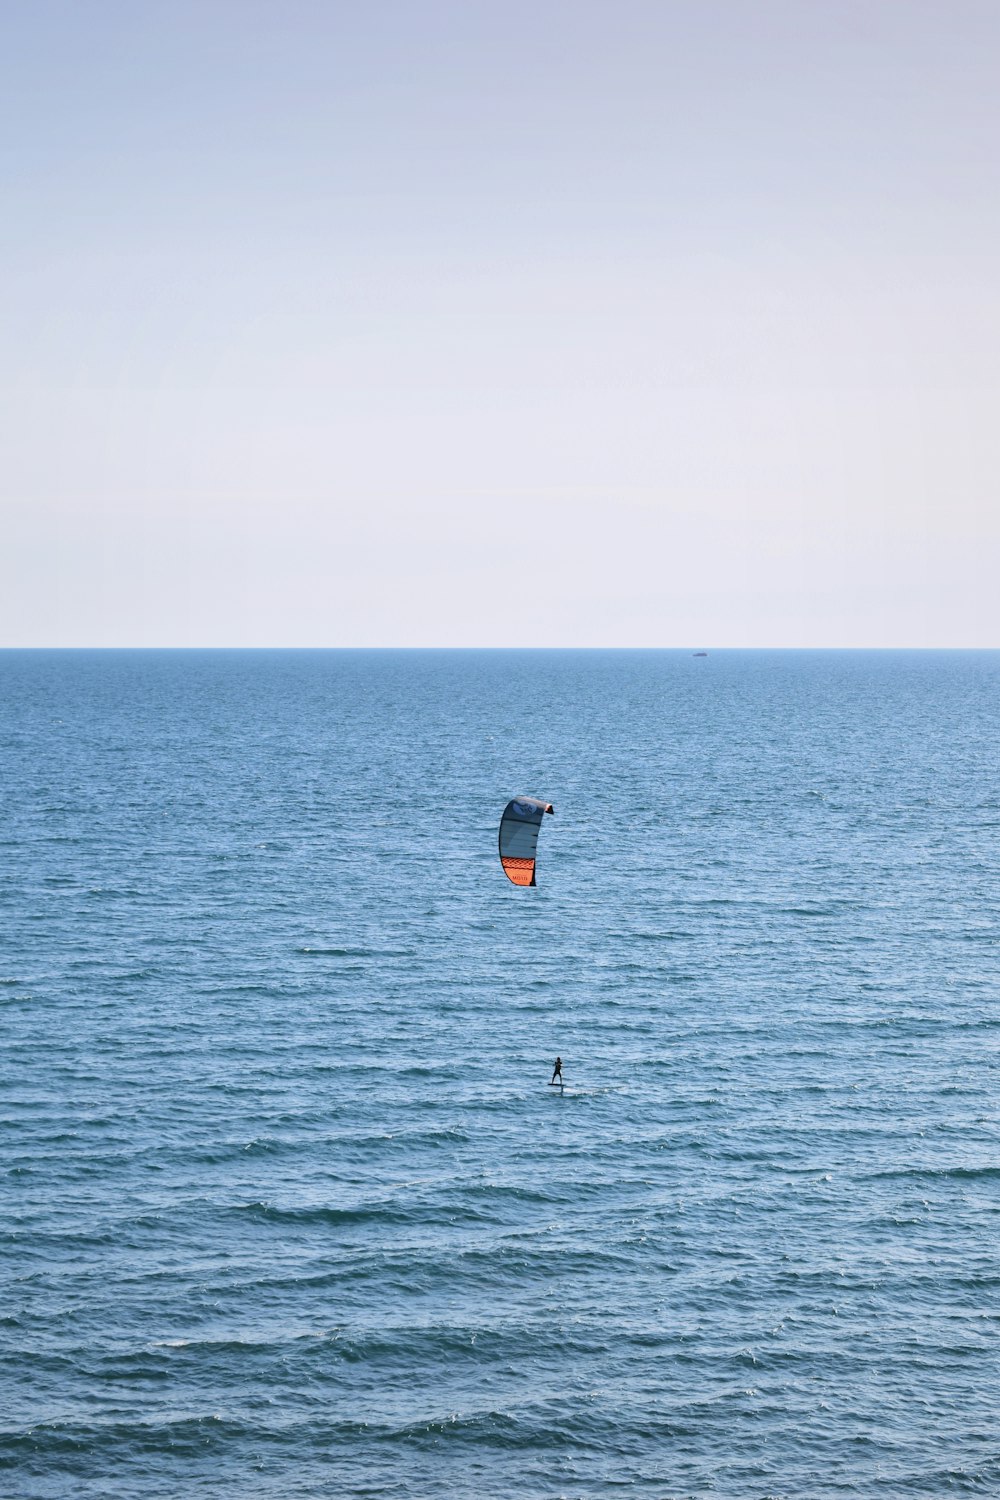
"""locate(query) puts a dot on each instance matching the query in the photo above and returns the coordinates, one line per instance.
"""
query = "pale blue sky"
(642, 323)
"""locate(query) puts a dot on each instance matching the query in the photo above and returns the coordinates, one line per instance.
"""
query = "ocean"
(288, 1206)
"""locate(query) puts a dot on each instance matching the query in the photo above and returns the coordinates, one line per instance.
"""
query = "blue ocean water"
(289, 1209)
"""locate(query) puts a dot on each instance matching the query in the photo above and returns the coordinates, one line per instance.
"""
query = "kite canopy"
(522, 818)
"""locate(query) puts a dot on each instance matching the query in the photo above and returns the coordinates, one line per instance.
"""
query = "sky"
(561, 323)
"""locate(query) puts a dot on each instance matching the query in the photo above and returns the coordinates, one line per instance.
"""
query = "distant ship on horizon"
(699, 653)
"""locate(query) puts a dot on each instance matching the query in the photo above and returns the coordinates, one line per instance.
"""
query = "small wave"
(435, 1341)
(182, 1437)
(985, 1173)
(669, 936)
(322, 952)
(492, 1427)
(247, 988)
(375, 1213)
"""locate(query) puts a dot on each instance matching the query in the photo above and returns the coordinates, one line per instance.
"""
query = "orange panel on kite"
(520, 871)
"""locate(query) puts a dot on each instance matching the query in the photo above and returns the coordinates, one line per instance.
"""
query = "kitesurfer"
(557, 1070)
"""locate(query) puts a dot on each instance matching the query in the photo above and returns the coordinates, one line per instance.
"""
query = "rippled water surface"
(288, 1208)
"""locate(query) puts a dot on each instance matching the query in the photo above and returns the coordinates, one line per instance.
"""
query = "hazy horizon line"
(694, 649)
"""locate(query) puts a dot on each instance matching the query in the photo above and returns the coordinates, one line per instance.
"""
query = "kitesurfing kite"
(522, 818)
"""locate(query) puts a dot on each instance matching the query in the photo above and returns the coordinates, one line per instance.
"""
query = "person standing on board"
(557, 1071)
